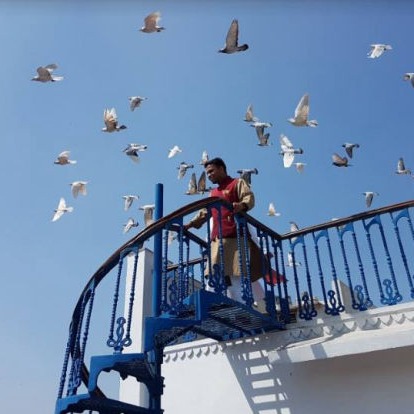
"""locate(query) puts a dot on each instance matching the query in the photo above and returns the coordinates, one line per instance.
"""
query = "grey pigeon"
(63, 159)
(45, 74)
(246, 174)
(195, 187)
(61, 209)
(111, 121)
(128, 200)
(288, 151)
(249, 117)
(369, 195)
(129, 224)
(339, 161)
(132, 151)
(349, 148)
(151, 23)
(409, 76)
(301, 114)
(377, 49)
(135, 101)
(182, 169)
(232, 39)
(261, 136)
(401, 169)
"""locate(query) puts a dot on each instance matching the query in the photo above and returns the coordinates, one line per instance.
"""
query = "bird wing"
(192, 185)
(148, 215)
(272, 209)
(58, 214)
(201, 185)
(302, 110)
(285, 142)
(400, 165)
(232, 35)
(338, 160)
(249, 117)
(368, 199)
(51, 67)
(75, 189)
(288, 158)
(82, 188)
(43, 73)
(150, 22)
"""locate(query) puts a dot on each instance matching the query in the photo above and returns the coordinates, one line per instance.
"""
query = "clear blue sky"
(196, 99)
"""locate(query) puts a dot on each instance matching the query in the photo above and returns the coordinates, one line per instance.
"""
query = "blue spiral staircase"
(186, 306)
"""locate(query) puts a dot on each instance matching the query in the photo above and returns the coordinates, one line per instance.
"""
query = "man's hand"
(238, 207)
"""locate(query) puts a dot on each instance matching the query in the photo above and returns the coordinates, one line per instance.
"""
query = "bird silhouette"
(246, 174)
(301, 114)
(182, 169)
(151, 23)
(129, 224)
(369, 195)
(271, 211)
(111, 121)
(349, 148)
(148, 213)
(197, 187)
(135, 101)
(249, 117)
(45, 74)
(377, 49)
(128, 200)
(78, 187)
(204, 157)
(174, 151)
(63, 159)
(409, 76)
(232, 39)
(132, 151)
(401, 169)
(61, 209)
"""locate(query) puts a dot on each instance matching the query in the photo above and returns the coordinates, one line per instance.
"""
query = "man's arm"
(198, 220)
(245, 195)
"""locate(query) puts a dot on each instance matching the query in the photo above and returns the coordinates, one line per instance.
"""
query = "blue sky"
(196, 99)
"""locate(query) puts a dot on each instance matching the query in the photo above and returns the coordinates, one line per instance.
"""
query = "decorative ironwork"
(122, 340)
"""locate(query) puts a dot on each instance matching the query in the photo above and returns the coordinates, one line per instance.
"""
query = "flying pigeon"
(377, 49)
(204, 157)
(249, 117)
(288, 151)
(151, 23)
(111, 121)
(369, 195)
(135, 101)
(401, 168)
(409, 76)
(195, 187)
(349, 148)
(44, 74)
(61, 209)
(79, 187)
(272, 211)
(132, 151)
(246, 174)
(231, 45)
(129, 224)
(261, 136)
(293, 226)
(302, 113)
(339, 161)
(63, 159)
(148, 213)
(292, 262)
(128, 200)
(174, 151)
(299, 166)
(182, 169)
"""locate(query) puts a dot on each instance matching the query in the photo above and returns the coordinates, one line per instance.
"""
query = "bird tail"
(72, 162)
(69, 209)
(313, 123)
(255, 171)
(57, 78)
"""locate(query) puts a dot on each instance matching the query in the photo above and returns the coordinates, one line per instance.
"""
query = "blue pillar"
(157, 272)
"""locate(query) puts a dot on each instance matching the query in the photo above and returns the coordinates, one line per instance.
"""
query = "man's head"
(216, 170)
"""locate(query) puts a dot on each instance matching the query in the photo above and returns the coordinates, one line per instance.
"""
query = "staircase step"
(134, 364)
(83, 402)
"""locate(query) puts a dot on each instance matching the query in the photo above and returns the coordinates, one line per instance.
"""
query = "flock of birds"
(288, 151)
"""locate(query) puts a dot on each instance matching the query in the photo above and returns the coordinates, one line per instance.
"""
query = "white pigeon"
(78, 187)
(401, 169)
(111, 121)
(246, 174)
(409, 76)
(63, 159)
(132, 151)
(369, 195)
(148, 213)
(249, 117)
(197, 187)
(129, 224)
(182, 169)
(272, 211)
(61, 209)
(293, 226)
(349, 148)
(135, 101)
(288, 151)
(151, 23)
(377, 49)
(299, 166)
(128, 200)
(174, 151)
(232, 40)
(204, 157)
(44, 74)
(301, 114)
(339, 161)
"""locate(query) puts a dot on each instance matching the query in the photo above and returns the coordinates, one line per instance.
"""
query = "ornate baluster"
(395, 220)
(165, 307)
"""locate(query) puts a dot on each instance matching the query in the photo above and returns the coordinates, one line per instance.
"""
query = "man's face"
(215, 174)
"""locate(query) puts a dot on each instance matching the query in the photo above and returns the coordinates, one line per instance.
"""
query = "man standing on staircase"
(238, 193)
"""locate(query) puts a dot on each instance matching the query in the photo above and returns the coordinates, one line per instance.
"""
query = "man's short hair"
(217, 162)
